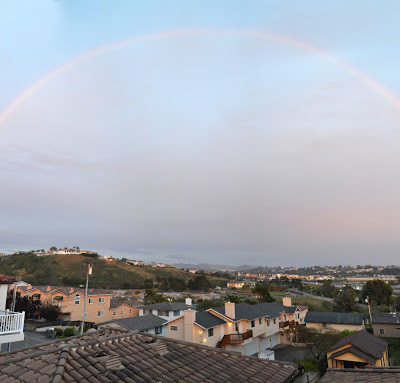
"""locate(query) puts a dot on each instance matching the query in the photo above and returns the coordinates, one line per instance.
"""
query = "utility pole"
(89, 272)
(369, 310)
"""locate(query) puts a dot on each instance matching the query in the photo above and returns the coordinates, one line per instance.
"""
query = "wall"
(3, 296)
(122, 311)
(391, 330)
(334, 326)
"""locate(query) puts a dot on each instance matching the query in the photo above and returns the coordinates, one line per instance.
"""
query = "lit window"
(253, 323)
(100, 313)
(174, 328)
(77, 299)
(210, 332)
(101, 300)
(90, 300)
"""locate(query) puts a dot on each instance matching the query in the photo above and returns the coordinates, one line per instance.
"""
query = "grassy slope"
(70, 270)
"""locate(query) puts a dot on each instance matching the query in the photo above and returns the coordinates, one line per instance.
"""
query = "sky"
(229, 132)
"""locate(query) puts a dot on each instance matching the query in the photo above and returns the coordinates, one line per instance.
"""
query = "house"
(235, 285)
(166, 310)
(247, 329)
(149, 323)
(358, 350)
(11, 323)
(109, 355)
(100, 304)
(334, 321)
(386, 324)
(365, 375)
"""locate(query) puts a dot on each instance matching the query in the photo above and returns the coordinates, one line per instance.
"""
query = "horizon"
(235, 133)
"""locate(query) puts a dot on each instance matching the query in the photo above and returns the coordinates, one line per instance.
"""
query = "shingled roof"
(364, 375)
(141, 323)
(250, 312)
(117, 356)
(386, 318)
(333, 317)
(364, 343)
(207, 320)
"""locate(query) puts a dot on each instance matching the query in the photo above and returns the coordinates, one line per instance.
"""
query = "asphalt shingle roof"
(250, 312)
(114, 303)
(166, 306)
(386, 318)
(207, 320)
(333, 317)
(365, 375)
(123, 356)
(141, 323)
(365, 342)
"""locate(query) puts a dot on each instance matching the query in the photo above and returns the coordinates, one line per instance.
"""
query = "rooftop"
(207, 320)
(119, 302)
(333, 317)
(141, 323)
(364, 343)
(124, 356)
(386, 318)
(365, 375)
(7, 279)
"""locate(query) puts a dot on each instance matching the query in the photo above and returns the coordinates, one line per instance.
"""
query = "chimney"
(287, 301)
(230, 310)
(188, 302)
(189, 316)
(71, 290)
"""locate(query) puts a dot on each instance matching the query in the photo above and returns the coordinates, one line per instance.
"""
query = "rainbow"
(390, 97)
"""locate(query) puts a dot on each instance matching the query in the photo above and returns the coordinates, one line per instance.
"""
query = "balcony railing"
(235, 338)
(287, 324)
(11, 322)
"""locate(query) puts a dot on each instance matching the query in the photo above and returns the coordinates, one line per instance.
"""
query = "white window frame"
(90, 300)
(101, 300)
(174, 328)
(77, 299)
(100, 313)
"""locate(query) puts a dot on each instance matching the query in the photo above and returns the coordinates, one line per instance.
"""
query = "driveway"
(30, 339)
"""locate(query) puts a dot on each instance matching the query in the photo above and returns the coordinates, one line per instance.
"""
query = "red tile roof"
(7, 279)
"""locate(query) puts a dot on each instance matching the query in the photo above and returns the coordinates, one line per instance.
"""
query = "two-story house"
(11, 323)
(166, 310)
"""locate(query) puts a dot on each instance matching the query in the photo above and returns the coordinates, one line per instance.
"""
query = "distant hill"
(70, 270)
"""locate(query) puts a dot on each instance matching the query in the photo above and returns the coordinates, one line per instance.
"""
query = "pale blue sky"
(207, 148)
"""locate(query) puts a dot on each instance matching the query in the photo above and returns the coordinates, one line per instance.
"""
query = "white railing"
(11, 323)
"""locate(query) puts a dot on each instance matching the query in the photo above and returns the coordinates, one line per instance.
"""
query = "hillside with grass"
(70, 270)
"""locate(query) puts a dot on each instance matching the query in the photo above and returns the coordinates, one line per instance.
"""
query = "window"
(259, 320)
(100, 313)
(253, 323)
(101, 300)
(274, 320)
(397, 328)
(381, 331)
(176, 313)
(90, 300)
(130, 311)
(268, 322)
(237, 327)
(323, 324)
(210, 332)
(114, 312)
(122, 312)
(174, 328)
(158, 330)
(77, 299)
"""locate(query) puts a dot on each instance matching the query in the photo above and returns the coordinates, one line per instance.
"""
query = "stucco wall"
(390, 330)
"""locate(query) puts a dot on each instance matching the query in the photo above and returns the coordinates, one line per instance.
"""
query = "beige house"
(328, 321)
(358, 350)
(100, 305)
(386, 325)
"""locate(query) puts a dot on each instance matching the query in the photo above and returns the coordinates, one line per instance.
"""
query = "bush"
(49, 312)
(59, 331)
(69, 331)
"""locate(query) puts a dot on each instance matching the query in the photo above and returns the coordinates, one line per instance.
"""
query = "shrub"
(69, 331)
(59, 331)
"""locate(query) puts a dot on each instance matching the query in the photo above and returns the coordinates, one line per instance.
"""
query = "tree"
(49, 312)
(345, 300)
(328, 289)
(378, 291)
(200, 282)
(27, 304)
(148, 284)
(150, 297)
(261, 289)
(53, 248)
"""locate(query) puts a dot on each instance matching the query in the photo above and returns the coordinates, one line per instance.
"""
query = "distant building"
(386, 325)
(334, 321)
(362, 375)
(235, 285)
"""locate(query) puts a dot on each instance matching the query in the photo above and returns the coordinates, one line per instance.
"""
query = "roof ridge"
(60, 367)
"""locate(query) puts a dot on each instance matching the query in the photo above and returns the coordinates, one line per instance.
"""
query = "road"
(304, 294)
(30, 339)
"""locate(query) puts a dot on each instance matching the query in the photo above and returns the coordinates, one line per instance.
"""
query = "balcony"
(11, 322)
(234, 338)
(287, 323)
